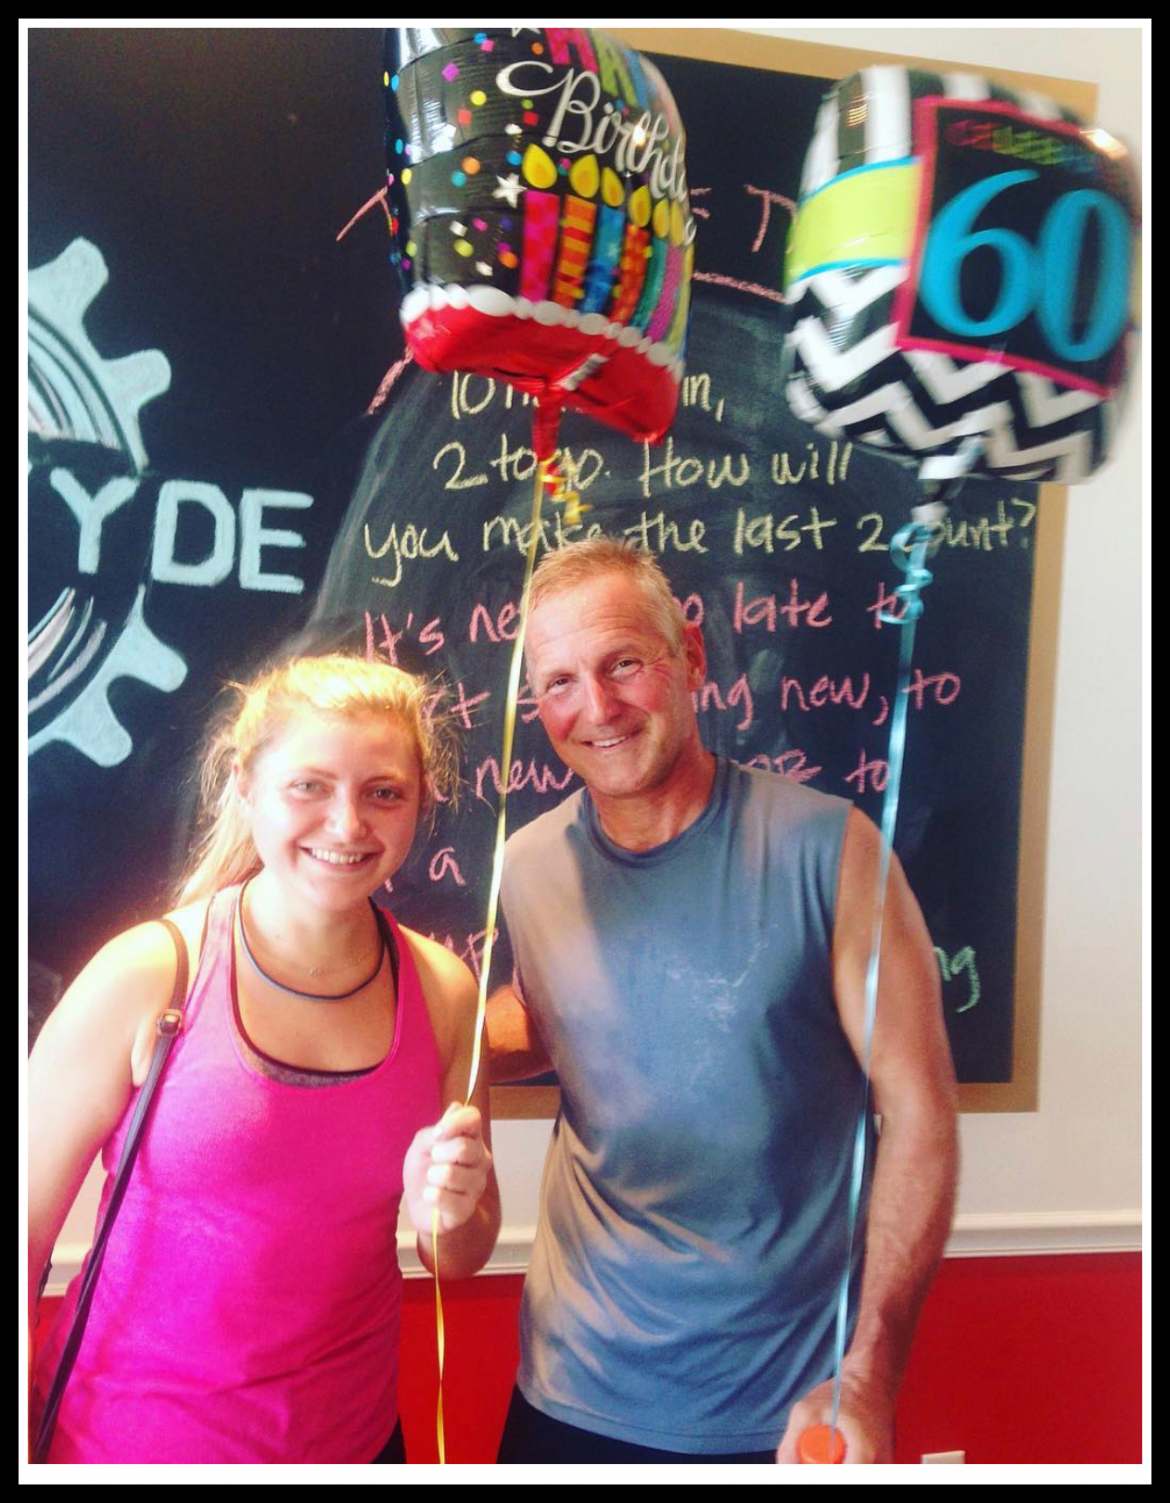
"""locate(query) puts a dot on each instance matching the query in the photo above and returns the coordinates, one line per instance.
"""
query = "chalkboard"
(410, 521)
(201, 351)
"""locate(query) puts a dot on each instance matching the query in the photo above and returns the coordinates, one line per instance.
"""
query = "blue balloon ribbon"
(908, 549)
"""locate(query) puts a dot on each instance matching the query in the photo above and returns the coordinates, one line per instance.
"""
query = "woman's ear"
(241, 784)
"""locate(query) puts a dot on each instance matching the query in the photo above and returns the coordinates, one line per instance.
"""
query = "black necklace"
(291, 990)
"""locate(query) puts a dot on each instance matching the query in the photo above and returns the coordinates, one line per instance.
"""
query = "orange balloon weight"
(821, 1445)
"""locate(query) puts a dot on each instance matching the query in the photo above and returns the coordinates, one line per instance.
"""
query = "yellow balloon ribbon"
(542, 480)
(439, 1328)
(513, 694)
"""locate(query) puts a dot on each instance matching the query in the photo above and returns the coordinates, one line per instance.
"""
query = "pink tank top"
(248, 1306)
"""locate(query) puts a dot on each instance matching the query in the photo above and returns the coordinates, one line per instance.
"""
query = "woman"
(248, 1306)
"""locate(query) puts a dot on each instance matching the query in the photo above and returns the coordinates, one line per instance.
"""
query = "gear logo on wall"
(93, 632)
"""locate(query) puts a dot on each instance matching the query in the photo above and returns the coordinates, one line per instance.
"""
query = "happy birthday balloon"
(959, 272)
(539, 208)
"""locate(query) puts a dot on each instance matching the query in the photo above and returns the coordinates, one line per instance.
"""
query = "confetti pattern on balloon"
(538, 175)
(959, 273)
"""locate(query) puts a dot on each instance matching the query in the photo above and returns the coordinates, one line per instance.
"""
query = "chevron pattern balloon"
(958, 273)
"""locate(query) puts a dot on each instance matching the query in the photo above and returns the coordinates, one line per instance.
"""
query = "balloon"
(959, 270)
(539, 209)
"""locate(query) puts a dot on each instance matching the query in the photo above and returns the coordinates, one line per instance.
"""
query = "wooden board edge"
(1022, 1092)
(825, 60)
(523, 1102)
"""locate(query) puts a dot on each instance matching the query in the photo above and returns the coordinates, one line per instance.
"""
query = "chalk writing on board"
(1010, 528)
(961, 965)
(664, 469)
(771, 534)
(465, 706)
(469, 949)
(792, 764)
(443, 864)
(767, 199)
(381, 636)
(407, 544)
(767, 610)
(539, 776)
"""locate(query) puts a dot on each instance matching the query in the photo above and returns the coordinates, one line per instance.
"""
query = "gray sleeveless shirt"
(683, 1285)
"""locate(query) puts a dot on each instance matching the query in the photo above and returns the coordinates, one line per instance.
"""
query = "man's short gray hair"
(576, 564)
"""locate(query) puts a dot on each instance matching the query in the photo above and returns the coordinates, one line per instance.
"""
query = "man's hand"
(865, 1419)
(446, 1169)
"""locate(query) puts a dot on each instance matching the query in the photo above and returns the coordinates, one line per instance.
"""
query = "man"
(691, 942)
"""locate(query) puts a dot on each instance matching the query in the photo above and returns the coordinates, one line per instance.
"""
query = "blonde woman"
(248, 1306)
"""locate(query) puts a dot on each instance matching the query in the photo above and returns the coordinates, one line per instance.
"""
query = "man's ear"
(695, 652)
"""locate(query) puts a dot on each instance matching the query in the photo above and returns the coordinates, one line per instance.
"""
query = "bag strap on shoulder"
(168, 1028)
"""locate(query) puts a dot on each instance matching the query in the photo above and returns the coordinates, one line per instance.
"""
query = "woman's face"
(333, 803)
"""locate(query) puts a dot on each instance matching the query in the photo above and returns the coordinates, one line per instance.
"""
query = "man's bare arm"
(913, 1192)
(517, 1049)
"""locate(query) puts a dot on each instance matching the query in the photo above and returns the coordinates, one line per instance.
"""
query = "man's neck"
(648, 820)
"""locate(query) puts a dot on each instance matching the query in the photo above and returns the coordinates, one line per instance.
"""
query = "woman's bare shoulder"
(439, 965)
(452, 997)
(135, 962)
(124, 989)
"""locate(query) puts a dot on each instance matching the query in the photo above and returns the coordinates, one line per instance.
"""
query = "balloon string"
(542, 470)
(441, 1338)
(908, 550)
(517, 664)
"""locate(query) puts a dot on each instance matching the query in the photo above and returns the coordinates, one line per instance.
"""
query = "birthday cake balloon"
(541, 223)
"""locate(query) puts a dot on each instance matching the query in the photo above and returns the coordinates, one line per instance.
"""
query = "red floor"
(1018, 1360)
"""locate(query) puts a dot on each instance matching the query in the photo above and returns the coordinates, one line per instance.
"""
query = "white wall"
(1069, 1174)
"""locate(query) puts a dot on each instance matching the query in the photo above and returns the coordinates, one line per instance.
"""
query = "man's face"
(614, 697)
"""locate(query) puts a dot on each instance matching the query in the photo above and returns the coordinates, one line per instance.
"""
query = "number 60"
(1041, 277)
